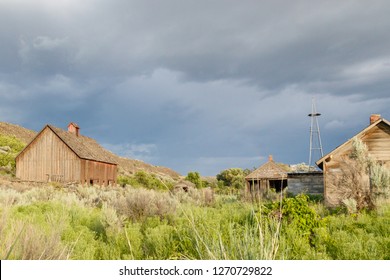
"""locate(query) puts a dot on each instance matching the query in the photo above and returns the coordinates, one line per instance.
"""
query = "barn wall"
(100, 173)
(47, 158)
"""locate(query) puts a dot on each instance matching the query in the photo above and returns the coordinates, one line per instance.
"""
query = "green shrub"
(194, 177)
(233, 177)
(10, 146)
(142, 179)
(67, 223)
(159, 243)
(296, 210)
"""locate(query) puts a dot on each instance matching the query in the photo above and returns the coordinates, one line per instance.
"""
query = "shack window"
(278, 185)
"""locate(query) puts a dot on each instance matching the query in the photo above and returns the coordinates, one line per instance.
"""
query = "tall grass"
(51, 222)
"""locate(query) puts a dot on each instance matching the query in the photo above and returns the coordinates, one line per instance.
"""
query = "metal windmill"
(315, 136)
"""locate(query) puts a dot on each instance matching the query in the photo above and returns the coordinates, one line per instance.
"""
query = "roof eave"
(32, 140)
(320, 162)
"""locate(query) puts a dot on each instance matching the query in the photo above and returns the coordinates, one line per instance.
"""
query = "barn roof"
(269, 170)
(349, 141)
(84, 147)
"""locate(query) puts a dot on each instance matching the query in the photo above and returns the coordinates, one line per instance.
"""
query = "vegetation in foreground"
(52, 222)
(147, 218)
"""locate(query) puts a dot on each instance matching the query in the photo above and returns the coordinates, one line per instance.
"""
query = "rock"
(5, 149)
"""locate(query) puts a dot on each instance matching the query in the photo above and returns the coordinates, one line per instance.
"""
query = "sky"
(197, 85)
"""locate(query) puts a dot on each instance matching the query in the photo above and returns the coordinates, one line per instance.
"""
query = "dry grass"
(359, 181)
(352, 182)
(21, 240)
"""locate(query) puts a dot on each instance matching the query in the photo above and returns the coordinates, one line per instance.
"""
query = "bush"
(145, 180)
(362, 180)
(296, 211)
(10, 146)
(194, 177)
(126, 223)
(233, 177)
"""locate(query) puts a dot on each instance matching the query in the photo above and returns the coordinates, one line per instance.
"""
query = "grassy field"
(55, 222)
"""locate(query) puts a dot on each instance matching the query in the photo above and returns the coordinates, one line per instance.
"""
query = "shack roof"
(269, 170)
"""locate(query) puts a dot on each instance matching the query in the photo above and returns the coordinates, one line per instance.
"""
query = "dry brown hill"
(126, 166)
(23, 134)
(131, 166)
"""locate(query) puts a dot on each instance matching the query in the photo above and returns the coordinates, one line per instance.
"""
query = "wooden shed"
(377, 139)
(269, 175)
(65, 156)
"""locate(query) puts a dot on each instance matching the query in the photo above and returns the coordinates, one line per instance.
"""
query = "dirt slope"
(23, 134)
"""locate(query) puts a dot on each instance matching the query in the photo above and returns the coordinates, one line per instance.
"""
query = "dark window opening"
(278, 185)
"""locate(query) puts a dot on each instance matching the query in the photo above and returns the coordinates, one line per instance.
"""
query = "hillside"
(23, 134)
(126, 166)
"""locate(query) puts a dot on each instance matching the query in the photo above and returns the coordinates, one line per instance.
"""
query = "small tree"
(362, 179)
(194, 177)
(10, 146)
(233, 177)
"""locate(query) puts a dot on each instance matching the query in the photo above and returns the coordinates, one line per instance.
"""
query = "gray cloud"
(206, 83)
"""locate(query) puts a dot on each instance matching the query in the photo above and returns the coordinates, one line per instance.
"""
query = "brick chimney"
(73, 128)
(270, 158)
(374, 118)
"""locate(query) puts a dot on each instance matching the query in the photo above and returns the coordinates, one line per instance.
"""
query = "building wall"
(377, 141)
(309, 183)
(339, 174)
(100, 173)
(47, 158)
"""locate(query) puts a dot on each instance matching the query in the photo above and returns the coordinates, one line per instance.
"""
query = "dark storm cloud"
(196, 84)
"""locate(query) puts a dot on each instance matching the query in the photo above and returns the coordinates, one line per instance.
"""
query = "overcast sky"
(196, 85)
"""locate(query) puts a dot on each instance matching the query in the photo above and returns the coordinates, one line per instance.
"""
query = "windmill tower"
(315, 136)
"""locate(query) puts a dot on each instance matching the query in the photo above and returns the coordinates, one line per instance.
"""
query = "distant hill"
(23, 134)
(126, 166)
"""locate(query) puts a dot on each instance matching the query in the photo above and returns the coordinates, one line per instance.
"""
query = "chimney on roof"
(374, 118)
(73, 128)
(270, 158)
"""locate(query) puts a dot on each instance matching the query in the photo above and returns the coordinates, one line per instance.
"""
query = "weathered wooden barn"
(269, 175)
(377, 139)
(65, 156)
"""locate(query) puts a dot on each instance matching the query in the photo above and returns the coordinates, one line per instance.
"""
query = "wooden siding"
(334, 192)
(94, 172)
(47, 158)
(377, 140)
(306, 182)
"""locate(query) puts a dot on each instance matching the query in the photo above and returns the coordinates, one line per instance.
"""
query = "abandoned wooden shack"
(65, 156)
(377, 139)
(268, 176)
(278, 177)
